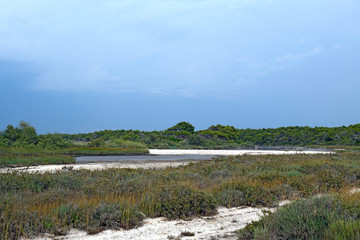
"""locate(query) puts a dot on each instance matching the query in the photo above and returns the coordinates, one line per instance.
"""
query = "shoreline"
(154, 164)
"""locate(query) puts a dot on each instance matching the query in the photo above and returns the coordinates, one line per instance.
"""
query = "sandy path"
(220, 226)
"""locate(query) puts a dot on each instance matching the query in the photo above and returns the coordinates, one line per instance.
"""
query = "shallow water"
(158, 158)
(178, 155)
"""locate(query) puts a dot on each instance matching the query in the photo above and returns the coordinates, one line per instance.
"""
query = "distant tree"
(97, 143)
(10, 133)
(23, 135)
(194, 140)
(52, 141)
(28, 133)
(3, 140)
(182, 127)
(24, 124)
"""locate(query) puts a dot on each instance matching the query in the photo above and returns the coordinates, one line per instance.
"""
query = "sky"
(72, 66)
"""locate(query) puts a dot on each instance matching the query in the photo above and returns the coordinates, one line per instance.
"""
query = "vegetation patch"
(325, 217)
(15, 160)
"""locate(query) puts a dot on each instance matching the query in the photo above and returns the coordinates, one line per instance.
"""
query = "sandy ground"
(95, 166)
(220, 226)
(153, 164)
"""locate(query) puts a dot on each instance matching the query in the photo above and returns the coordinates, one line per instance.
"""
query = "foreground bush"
(59, 220)
(325, 217)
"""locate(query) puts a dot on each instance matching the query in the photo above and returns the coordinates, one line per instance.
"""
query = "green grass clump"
(130, 148)
(182, 202)
(232, 194)
(344, 230)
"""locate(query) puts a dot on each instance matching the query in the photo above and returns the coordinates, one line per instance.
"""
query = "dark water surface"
(157, 158)
(169, 158)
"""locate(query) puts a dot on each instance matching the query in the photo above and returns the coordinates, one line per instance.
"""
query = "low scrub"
(182, 202)
(31, 204)
(11, 160)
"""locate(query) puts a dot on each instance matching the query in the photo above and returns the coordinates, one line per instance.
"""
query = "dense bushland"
(183, 135)
(31, 204)
(24, 139)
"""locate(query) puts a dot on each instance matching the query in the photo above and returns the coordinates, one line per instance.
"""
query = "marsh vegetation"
(32, 204)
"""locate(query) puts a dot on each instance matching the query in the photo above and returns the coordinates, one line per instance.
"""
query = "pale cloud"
(341, 45)
(302, 41)
(180, 92)
(299, 56)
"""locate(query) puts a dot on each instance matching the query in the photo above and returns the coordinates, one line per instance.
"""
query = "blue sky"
(87, 65)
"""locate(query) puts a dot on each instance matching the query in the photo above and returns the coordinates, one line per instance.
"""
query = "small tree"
(24, 135)
(182, 127)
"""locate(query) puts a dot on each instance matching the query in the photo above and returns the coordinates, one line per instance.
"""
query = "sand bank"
(229, 152)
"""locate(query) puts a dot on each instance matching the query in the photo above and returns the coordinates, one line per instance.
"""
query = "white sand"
(228, 152)
(93, 166)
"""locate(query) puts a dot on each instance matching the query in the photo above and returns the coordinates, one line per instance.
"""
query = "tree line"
(183, 135)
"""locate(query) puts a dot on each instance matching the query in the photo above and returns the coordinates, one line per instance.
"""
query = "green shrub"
(293, 174)
(305, 219)
(342, 229)
(182, 202)
(233, 194)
